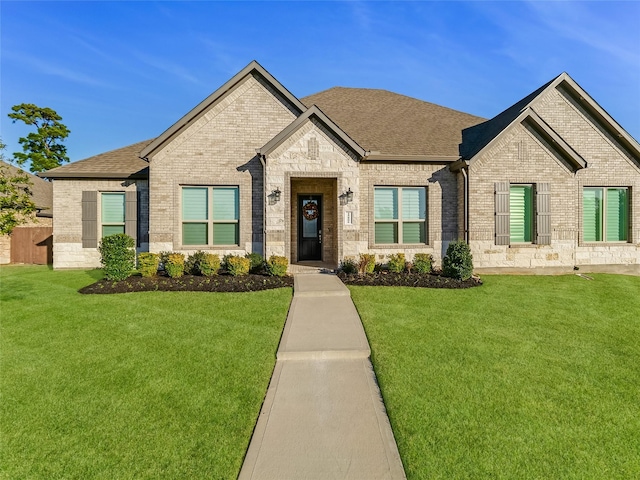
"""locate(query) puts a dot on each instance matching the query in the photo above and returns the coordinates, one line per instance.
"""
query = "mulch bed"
(388, 279)
(190, 283)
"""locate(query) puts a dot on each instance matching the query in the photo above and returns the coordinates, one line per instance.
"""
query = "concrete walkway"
(323, 416)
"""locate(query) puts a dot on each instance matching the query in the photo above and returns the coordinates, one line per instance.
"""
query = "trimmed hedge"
(397, 263)
(148, 263)
(277, 266)
(458, 262)
(366, 263)
(422, 262)
(202, 263)
(236, 265)
(118, 256)
(174, 265)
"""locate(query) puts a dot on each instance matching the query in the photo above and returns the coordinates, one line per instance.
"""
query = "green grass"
(525, 377)
(139, 385)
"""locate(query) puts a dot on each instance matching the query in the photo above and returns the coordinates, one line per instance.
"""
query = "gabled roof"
(41, 190)
(477, 138)
(203, 106)
(389, 125)
(121, 163)
(314, 112)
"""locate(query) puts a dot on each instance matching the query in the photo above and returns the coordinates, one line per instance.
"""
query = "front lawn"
(139, 385)
(524, 377)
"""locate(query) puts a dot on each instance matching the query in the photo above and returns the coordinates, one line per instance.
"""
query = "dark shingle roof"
(391, 124)
(41, 190)
(477, 137)
(121, 163)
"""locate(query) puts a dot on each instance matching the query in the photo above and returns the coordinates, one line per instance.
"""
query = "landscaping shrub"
(277, 266)
(422, 262)
(148, 263)
(210, 264)
(174, 265)
(202, 263)
(397, 262)
(256, 262)
(366, 263)
(349, 266)
(117, 256)
(458, 262)
(236, 265)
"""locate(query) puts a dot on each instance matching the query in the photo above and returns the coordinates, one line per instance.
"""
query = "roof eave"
(140, 175)
(197, 111)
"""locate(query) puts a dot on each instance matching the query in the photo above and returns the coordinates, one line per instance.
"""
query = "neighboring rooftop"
(121, 163)
(42, 191)
(387, 123)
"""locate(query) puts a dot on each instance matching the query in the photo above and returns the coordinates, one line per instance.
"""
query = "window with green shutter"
(520, 213)
(210, 216)
(112, 213)
(400, 215)
(605, 214)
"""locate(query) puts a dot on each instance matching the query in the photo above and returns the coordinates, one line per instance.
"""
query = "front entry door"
(309, 227)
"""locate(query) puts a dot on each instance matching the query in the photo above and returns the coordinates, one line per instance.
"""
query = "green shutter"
(616, 216)
(386, 232)
(386, 203)
(502, 213)
(194, 234)
(592, 214)
(195, 204)
(414, 203)
(413, 232)
(521, 213)
(225, 203)
(225, 234)
(113, 208)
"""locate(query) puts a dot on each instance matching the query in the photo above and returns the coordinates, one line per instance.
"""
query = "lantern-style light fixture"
(276, 194)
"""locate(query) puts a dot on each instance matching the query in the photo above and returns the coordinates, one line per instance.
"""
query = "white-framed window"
(210, 215)
(605, 214)
(400, 215)
(112, 213)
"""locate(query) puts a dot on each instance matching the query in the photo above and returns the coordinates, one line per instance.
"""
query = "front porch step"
(311, 267)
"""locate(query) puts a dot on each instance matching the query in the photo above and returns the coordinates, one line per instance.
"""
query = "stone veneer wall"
(312, 160)
(67, 226)
(219, 148)
(521, 157)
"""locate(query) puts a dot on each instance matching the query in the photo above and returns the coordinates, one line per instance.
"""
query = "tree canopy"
(16, 203)
(43, 148)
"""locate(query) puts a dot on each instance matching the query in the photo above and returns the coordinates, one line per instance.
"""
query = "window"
(523, 213)
(210, 216)
(520, 213)
(400, 215)
(605, 214)
(112, 213)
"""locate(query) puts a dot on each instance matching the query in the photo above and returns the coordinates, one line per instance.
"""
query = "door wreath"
(310, 211)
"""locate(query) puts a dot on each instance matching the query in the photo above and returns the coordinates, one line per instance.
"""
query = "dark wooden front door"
(309, 227)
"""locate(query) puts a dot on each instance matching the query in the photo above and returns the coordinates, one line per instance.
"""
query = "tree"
(43, 147)
(16, 202)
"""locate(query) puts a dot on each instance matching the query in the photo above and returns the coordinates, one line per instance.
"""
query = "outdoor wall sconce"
(349, 195)
(276, 194)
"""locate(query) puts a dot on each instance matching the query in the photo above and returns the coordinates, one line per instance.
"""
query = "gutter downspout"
(465, 200)
(264, 204)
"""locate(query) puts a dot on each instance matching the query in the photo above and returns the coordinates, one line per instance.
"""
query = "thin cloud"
(168, 67)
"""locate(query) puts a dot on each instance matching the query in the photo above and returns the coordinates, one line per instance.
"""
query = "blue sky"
(121, 72)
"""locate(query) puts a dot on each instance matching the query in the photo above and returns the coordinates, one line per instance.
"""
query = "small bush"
(397, 262)
(423, 262)
(117, 256)
(277, 266)
(236, 265)
(348, 266)
(366, 263)
(458, 262)
(256, 262)
(174, 265)
(148, 263)
(210, 264)
(201, 263)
